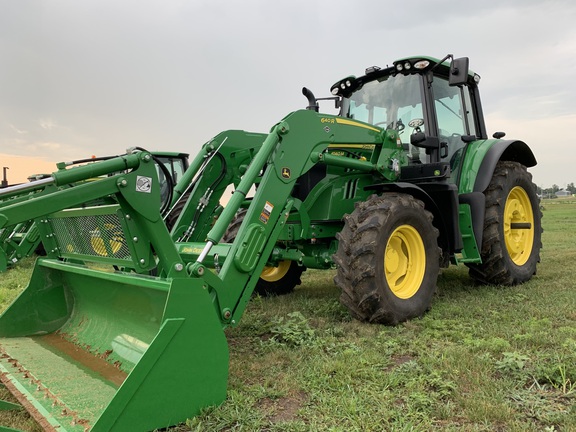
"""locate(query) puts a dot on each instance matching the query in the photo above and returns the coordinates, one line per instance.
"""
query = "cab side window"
(454, 117)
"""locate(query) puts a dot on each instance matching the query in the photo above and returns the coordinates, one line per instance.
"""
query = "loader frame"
(23, 239)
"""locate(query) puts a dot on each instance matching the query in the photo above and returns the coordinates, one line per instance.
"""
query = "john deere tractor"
(128, 306)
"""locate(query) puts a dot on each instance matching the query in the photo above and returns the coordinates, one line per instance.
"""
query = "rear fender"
(508, 150)
(481, 159)
(477, 171)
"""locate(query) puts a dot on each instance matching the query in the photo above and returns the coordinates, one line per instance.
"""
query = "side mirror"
(419, 139)
(459, 71)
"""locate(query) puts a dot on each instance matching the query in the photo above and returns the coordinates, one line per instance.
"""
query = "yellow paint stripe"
(353, 123)
(355, 146)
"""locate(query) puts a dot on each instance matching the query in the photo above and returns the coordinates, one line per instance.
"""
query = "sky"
(95, 77)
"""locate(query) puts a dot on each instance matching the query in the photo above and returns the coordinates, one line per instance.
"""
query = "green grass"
(483, 359)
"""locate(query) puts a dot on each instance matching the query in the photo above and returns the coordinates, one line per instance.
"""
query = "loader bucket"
(85, 349)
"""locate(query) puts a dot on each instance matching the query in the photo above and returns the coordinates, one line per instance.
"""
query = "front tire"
(279, 280)
(388, 259)
(511, 241)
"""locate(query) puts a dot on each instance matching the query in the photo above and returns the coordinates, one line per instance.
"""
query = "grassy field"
(483, 359)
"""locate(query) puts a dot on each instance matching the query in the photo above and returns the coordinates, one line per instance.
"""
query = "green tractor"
(128, 306)
(405, 181)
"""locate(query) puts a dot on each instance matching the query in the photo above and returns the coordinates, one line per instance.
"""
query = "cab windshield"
(391, 102)
(388, 102)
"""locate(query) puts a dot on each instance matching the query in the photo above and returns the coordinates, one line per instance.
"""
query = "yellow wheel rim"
(98, 243)
(273, 274)
(405, 261)
(518, 226)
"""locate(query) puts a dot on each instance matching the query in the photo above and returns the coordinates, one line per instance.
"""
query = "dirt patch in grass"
(399, 360)
(283, 409)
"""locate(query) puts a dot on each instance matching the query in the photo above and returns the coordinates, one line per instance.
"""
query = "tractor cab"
(433, 105)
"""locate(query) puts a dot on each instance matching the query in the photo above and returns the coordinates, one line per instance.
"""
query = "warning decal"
(143, 184)
(265, 215)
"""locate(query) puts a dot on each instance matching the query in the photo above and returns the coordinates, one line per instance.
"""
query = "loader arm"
(293, 147)
(222, 163)
(34, 204)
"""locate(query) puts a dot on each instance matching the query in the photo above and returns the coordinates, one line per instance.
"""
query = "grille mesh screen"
(100, 236)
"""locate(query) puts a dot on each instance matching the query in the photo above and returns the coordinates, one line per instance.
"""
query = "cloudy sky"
(94, 77)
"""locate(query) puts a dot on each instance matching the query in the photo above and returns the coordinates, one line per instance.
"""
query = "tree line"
(551, 191)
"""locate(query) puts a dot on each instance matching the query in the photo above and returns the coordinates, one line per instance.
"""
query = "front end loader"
(121, 325)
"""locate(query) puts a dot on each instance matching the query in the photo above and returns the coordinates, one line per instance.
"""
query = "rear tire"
(388, 259)
(511, 241)
(274, 280)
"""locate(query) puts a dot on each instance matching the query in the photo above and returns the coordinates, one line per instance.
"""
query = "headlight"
(422, 64)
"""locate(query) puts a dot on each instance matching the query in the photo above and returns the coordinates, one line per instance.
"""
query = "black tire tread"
(496, 267)
(358, 252)
(176, 210)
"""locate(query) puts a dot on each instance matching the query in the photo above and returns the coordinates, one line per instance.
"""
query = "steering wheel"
(416, 123)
